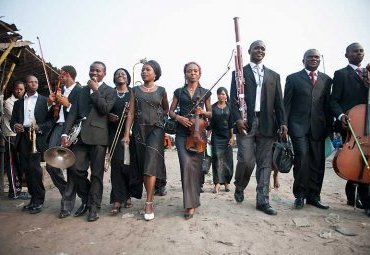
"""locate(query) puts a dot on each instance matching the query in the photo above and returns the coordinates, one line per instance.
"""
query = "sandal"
(128, 203)
(116, 208)
(148, 216)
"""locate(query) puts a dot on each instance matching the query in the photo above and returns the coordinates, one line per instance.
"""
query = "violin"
(352, 161)
(197, 140)
(58, 91)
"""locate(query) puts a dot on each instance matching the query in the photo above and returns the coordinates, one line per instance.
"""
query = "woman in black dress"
(222, 141)
(125, 178)
(148, 106)
(190, 162)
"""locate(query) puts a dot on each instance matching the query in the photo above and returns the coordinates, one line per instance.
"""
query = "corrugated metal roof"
(27, 63)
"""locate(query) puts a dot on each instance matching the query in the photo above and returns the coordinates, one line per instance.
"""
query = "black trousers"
(30, 165)
(309, 167)
(92, 156)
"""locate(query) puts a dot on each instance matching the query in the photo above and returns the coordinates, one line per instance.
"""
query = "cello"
(352, 161)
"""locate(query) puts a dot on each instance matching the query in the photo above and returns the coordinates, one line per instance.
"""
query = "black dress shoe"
(93, 215)
(367, 212)
(64, 214)
(81, 210)
(239, 195)
(266, 209)
(359, 204)
(299, 203)
(27, 207)
(317, 204)
(36, 209)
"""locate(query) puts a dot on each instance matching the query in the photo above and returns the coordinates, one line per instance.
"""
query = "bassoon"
(239, 77)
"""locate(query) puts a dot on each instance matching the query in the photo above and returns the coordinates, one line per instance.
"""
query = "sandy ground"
(220, 225)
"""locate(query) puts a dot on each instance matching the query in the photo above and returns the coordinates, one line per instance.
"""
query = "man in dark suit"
(265, 110)
(63, 100)
(31, 113)
(306, 100)
(348, 91)
(95, 101)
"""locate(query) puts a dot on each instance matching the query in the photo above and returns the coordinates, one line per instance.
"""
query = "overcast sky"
(174, 32)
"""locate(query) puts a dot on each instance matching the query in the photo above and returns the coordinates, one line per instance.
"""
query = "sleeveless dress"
(148, 131)
(190, 162)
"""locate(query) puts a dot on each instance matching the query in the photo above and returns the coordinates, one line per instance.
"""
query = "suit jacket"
(42, 117)
(94, 107)
(348, 91)
(272, 111)
(307, 106)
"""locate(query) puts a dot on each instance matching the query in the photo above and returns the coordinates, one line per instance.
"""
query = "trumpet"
(141, 61)
(32, 136)
(115, 139)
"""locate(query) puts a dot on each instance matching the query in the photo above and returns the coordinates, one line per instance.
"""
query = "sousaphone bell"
(59, 157)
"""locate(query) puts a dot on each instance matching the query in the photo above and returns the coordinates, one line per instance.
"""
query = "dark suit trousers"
(309, 167)
(93, 156)
(254, 149)
(30, 163)
(56, 174)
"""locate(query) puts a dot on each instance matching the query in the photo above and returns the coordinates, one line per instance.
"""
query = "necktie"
(312, 77)
(259, 83)
(359, 72)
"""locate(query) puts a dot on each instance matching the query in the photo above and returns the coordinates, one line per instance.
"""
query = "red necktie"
(359, 72)
(312, 78)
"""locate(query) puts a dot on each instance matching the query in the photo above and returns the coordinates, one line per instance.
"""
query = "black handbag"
(282, 156)
(170, 126)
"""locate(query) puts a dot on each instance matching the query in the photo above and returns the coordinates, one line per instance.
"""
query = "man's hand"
(93, 84)
(18, 128)
(113, 117)
(63, 100)
(51, 99)
(283, 132)
(64, 141)
(242, 127)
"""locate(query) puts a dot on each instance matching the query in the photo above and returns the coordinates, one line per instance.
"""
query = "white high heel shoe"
(148, 216)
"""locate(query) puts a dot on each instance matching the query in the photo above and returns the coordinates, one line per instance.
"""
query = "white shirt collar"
(260, 66)
(308, 72)
(354, 66)
(34, 95)
(70, 88)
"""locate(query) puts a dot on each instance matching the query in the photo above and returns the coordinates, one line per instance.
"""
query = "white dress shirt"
(29, 109)
(259, 73)
(66, 93)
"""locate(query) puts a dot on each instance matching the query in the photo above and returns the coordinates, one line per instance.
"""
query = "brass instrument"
(62, 157)
(112, 148)
(73, 135)
(142, 61)
(32, 136)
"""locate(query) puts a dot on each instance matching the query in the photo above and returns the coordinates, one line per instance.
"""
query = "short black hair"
(100, 63)
(71, 70)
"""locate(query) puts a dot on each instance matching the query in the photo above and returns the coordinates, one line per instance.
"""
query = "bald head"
(311, 59)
